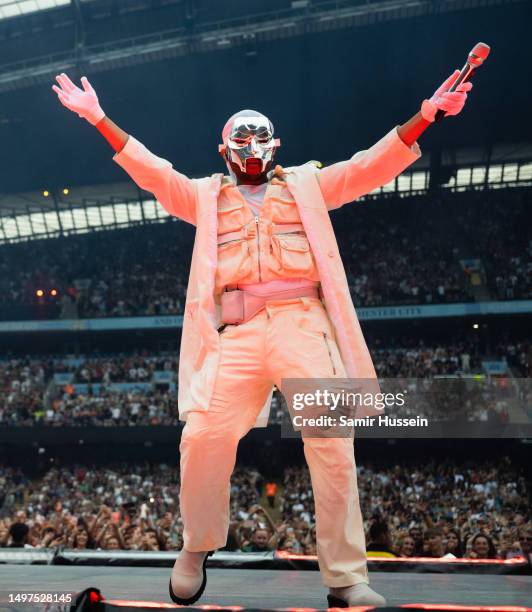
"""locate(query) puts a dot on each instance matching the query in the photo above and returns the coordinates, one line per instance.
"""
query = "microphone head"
(478, 54)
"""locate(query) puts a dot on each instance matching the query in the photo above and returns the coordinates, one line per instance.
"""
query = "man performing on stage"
(267, 300)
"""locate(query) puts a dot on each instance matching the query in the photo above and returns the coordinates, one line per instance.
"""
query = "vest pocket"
(230, 217)
(292, 253)
(234, 262)
(284, 210)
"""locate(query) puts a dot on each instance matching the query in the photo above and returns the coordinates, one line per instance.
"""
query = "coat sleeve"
(175, 191)
(346, 181)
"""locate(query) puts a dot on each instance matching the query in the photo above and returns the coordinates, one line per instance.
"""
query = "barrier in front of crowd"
(280, 560)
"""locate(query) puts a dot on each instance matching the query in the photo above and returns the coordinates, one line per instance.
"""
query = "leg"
(208, 453)
(210, 438)
(301, 344)
(341, 545)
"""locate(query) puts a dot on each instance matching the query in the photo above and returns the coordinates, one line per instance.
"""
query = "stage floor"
(268, 588)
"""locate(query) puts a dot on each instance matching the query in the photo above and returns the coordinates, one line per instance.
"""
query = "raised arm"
(175, 191)
(367, 170)
(114, 135)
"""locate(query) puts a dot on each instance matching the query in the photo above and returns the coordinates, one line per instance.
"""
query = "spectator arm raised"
(99, 537)
(268, 518)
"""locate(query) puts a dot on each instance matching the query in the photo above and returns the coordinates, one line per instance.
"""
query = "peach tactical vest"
(253, 249)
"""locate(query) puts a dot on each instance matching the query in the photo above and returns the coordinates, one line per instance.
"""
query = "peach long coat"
(315, 192)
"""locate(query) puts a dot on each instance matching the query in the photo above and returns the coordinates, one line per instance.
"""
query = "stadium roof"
(349, 69)
(200, 29)
(15, 8)
(48, 214)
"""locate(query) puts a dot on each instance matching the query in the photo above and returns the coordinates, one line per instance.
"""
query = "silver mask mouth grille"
(251, 138)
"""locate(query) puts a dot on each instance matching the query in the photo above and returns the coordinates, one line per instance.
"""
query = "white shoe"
(189, 577)
(357, 594)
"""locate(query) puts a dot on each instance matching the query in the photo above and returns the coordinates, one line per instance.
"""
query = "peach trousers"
(284, 340)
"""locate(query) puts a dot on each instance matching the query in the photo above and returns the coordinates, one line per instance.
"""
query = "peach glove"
(84, 101)
(443, 99)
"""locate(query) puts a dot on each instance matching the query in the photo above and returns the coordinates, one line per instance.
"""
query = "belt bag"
(240, 306)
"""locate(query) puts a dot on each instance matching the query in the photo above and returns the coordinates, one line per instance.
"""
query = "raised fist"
(450, 101)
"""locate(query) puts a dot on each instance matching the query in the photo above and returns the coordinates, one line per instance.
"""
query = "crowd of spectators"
(123, 368)
(479, 510)
(518, 355)
(29, 394)
(110, 408)
(395, 251)
(123, 389)
(22, 386)
(131, 272)
(503, 241)
(423, 361)
(126, 506)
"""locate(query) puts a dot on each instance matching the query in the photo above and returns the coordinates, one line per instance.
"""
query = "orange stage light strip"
(423, 606)
(352, 609)
(139, 604)
(281, 554)
(156, 604)
(465, 608)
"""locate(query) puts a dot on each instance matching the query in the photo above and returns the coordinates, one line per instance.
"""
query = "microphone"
(475, 59)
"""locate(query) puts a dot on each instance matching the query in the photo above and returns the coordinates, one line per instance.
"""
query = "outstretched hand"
(452, 102)
(84, 101)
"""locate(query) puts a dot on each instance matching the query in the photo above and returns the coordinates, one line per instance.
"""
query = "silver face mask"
(251, 138)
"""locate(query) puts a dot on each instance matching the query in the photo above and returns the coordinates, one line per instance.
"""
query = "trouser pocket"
(329, 351)
(316, 325)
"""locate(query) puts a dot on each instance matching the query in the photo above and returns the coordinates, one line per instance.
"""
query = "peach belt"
(240, 306)
(277, 228)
